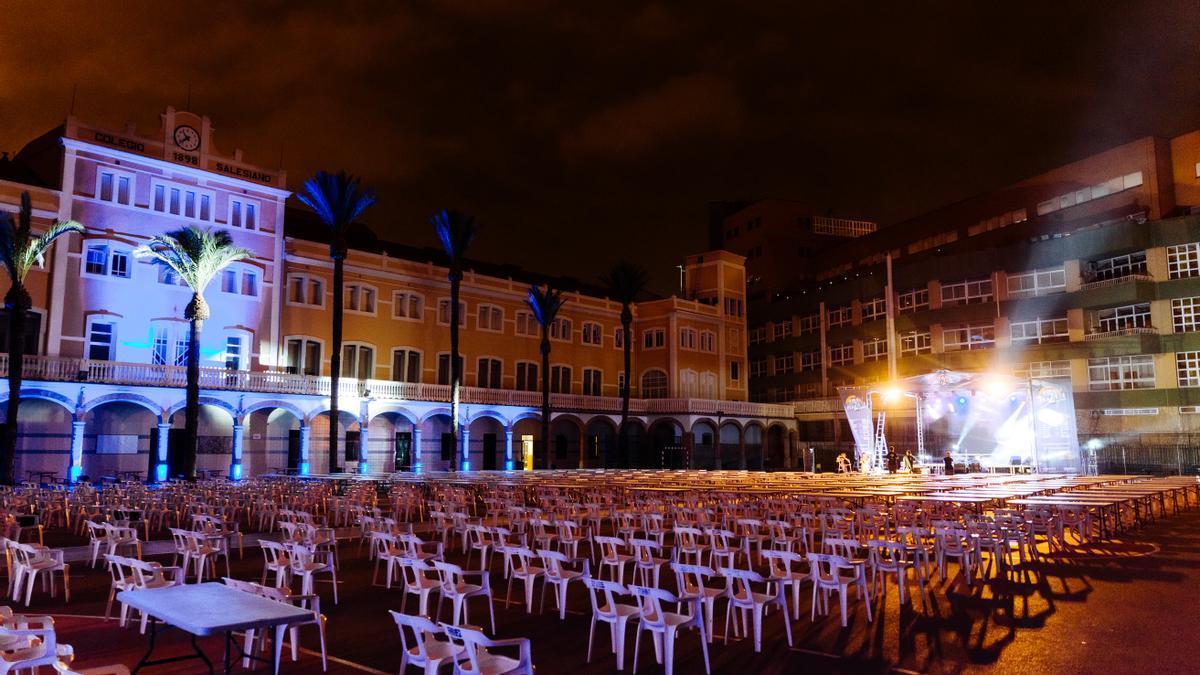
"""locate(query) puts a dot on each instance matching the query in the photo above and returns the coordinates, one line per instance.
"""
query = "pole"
(1033, 422)
(891, 321)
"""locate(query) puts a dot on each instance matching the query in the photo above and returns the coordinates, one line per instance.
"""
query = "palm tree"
(21, 250)
(338, 201)
(545, 304)
(456, 231)
(196, 256)
(625, 281)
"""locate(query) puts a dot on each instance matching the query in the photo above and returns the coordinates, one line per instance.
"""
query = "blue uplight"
(160, 473)
(466, 465)
(235, 472)
(362, 466)
(76, 472)
(416, 467)
(508, 465)
(303, 468)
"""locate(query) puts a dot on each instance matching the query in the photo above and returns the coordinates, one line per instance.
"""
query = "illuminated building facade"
(104, 377)
(1090, 270)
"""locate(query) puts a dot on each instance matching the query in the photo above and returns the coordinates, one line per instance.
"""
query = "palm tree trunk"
(545, 348)
(455, 368)
(191, 411)
(18, 303)
(622, 442)
(335, 359)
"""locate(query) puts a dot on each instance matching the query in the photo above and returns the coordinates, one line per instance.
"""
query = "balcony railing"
(1109, 283)
(1121, 332)
(58, 369)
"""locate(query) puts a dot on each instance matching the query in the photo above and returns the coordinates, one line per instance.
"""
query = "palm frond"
(194, 254)
(625, 281)
(36, 247)
(20, 249)
(336, 198)
(545, 303)
(456, 230)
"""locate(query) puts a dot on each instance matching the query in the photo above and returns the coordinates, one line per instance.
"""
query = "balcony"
(1110, 283)
(1121, 332)
(58, 369)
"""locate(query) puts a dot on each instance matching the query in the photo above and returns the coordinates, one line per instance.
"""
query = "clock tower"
(187, 137)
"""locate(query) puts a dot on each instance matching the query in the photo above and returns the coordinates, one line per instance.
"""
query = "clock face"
(187, 138)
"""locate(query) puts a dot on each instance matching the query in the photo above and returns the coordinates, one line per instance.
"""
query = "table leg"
(228, 640)
(279, 633)
(200, 653)
(150, 648)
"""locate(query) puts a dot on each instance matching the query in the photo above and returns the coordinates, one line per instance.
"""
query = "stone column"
(466, 448)
(742, 452)
(76, 469)
(235, 462)
(417, 458)
(305, 435)
(164, 435)
(508, 450)
(364, 442)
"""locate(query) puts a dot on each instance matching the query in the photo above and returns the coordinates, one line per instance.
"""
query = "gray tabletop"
(205, 609)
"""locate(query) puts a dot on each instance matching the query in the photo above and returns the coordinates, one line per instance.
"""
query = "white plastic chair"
(556, 575)
(426, 652)
(744, 598)
(417, 582)
(523, 570)
(480, 661)
(663, 625)
(456, 589)
(834, 573)
(33, 560)
(605, 608)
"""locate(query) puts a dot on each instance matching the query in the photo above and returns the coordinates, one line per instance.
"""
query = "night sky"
(578, 133)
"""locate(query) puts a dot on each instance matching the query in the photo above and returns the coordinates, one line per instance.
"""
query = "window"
(1037, 282)
(1123, 318)
(180, 200)
(443, 368)
(102, 342)
(1121, 372)
(810, 323)
(303, 356)
(114, 186)
(1039, 331)
(166, 275)
(358, 361)
(102, 260)
(784, 364)
(406, 365)
(914, 300)
(708, 340)
(243, 213)
(874, 309)
(1185, 314)
(735, 372)
(488, 373)
(687, 338)
(593, 333)
(1043, 369)
(654, 384)
(967, 292)
(997, 222)
(444, 312)
(655, 338)
(407, 306)
(758, 368)
(981, 336)
(1117, 267)
(758, 335)
(733, 306)
(1187, 366)
(490, 318)
(1087, 194)
(916, 342)
(689, 384)
(169, 344)
(619, 338)
(810, 360)
(560, 329)
(527, 376)
(783, 330)
(840, 316)
(874, 350)
(360, 298)
(239, 282)
(306, 290)
(526, 324)
(560, 379)
(236, 356)
(1183, 260)
(592, 381)
(841, 354)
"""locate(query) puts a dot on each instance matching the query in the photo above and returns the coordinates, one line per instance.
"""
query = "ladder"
(880, 442)
(921, 433)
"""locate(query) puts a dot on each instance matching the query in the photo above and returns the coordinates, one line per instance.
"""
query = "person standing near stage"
(909, 461)
(949, 464)
(843, 463)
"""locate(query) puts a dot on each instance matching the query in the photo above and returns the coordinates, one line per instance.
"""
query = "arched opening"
(349, 440)
(270, 442)
(731, 446)
(487, 443)
(666, 450)
(704, 446)
(390, 443)
(775, 457)
(214, 441)
(754, 447)
(119, 436)
(600, 439)
(565, 443)
(437, 450)
(527, 447)
(43, 438)
(631, 445)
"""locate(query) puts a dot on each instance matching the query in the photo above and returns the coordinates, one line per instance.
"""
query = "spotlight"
(892, 394)
(995, 386)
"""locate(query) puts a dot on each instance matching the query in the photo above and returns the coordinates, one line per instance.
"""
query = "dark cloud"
(580, 132)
